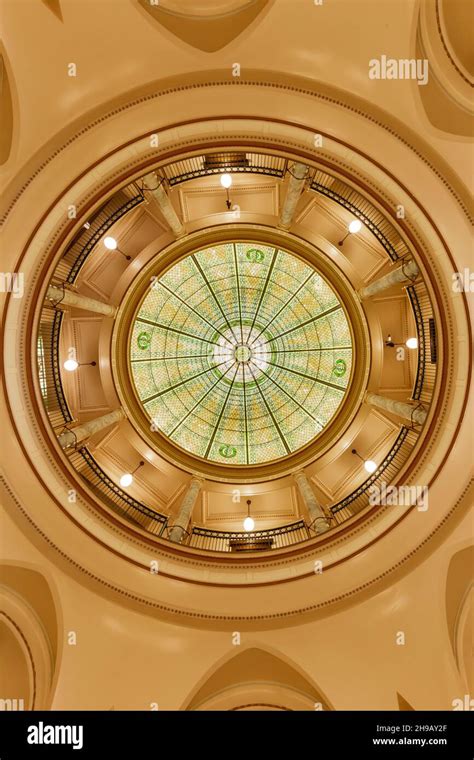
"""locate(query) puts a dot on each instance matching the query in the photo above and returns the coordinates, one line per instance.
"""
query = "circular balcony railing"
(59, 414)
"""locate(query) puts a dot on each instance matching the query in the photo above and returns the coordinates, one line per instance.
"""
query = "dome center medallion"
(243, 353)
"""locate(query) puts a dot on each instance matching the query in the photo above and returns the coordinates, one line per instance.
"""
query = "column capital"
(64, 296)
(402, 274)
(166, 207)
(298, 173)
(71, 437)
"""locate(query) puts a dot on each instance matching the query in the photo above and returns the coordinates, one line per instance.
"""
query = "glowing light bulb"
(249, 524)
(412, 343)
(126, 480)
(355, 225)
(370, 465)
(110, 243)
(226, 180)
(70, 365)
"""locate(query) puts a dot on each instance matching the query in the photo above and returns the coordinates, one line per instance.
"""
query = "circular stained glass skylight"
(240, 354)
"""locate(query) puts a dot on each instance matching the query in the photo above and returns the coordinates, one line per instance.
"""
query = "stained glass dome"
(240, 353)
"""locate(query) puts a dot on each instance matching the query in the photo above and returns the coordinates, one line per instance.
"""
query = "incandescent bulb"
(355, 225)
(412, 343)
(126, 480)
(249, 524)
(70, 365)
(370, 465)
(110, 243)
(226, 181)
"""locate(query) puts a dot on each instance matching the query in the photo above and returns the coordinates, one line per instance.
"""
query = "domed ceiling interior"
(240, 353)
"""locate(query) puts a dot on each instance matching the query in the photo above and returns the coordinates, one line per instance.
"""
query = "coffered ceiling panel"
(101, 271)
(199, 199)
(156, 488)
(274, 506)
(84, 386)
(373, 442)
(363, 251)
(399, 362)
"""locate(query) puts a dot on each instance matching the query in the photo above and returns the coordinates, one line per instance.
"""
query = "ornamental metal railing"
(58, 411)
(385, 473)
(241, 162)
(67, 270)
(427, 342)
(113, 496)
(390, 239)
(362, 209)
(51, 386)
(207, 539)
(240, 541)
(234, 162)
(421, 336)
(86, 239)
(156, 523)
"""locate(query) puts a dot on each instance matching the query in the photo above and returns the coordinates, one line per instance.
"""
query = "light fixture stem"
(391, 343)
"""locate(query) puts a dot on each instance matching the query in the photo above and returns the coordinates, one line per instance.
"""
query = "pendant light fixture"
(409, 343)
(127, 478)
(72, 364)
(354, 226)
(369, 465)
(226, 182)
(249, 522)
(112, 245)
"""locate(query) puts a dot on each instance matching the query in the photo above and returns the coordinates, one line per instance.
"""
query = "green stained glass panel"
(239, 357)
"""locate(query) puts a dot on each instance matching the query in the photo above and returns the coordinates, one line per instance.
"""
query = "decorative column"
(69, 298)
(166, 207)
(181, 521)
(410, 412)
(298, 175)
(407, 272)
(76, 435)
(318, 519)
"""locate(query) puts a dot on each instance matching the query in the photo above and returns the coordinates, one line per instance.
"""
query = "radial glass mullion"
(241, 353)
